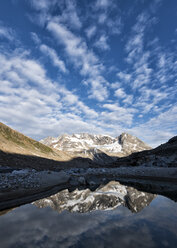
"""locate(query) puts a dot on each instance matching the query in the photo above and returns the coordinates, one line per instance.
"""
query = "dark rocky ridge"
(164, 155)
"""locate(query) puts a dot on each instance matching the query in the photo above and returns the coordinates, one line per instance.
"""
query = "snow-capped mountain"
(100, 148)
(106, 197)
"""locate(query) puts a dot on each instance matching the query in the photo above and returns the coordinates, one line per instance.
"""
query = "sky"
(100, 66)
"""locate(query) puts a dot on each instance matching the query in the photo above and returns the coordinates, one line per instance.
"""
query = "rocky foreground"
(21, 186)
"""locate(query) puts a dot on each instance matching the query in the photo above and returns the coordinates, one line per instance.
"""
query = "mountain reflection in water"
(136, 219)
(106, 197)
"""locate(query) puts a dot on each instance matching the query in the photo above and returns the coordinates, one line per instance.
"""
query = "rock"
(73, 181)
(82, 181)
(54, 178)
(92, 183)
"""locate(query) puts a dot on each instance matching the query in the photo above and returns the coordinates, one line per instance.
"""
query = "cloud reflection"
(29, 226)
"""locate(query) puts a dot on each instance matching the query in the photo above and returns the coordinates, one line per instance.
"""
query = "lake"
(112, 216)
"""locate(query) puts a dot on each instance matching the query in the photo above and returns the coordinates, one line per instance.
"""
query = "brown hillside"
(14, 142)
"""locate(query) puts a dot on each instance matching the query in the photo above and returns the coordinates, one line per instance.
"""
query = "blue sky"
(101, 66)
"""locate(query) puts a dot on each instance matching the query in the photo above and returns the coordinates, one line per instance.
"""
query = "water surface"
(143, 220)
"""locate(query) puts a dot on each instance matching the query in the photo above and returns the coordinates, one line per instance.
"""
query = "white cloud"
(125, 77)
(52, 109)
(99, 91)
(104, 15)
(166, 66)
(90, 32)
(42, 5)
(120, 93)
(74, 46)
(112, 107)
(35, 38)
(101, 43)
(102, 18)
(118, 115)
(158, 129)
(139, 58)
(83, 58)
(69, 15)
(162, 61)
(134, 47)
(152, 99)
(6, 32)
(102, 3)
(38, 104)
(115, 25)
(72, 16)
(128, 99)
(115, 85)
(19, 68)
(68, 9)
(51, 53)
(35, 104)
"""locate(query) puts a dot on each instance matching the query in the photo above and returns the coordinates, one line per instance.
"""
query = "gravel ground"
(30, 179)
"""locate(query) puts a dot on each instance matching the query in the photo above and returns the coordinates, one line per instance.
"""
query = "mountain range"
(100, 148)
(82, 150)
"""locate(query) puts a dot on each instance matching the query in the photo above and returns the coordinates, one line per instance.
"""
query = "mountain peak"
(131, 143)
(86, 145)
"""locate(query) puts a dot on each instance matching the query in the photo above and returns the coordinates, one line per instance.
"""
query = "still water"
(112, 216)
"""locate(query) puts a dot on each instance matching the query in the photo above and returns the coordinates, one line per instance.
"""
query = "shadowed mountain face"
(99, 148)
(106, 197)
(164, 155)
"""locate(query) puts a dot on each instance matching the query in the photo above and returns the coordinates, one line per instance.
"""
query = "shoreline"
(161, 181)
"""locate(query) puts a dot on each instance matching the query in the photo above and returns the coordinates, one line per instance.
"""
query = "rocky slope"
(100, 148)
(14, 142)
(164, 155)
(105, 197)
